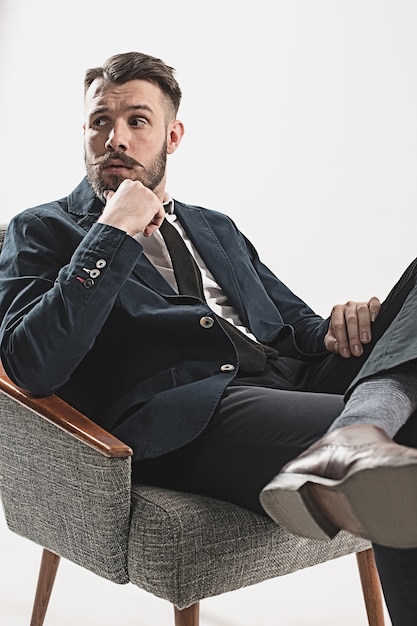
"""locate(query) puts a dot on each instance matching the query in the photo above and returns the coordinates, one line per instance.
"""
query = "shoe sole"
(378, 504)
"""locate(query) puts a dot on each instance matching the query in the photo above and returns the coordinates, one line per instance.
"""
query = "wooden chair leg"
(371, 587)
(47, 573)
(189, 616)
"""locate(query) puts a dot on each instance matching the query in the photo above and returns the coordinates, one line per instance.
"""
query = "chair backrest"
(63, 495)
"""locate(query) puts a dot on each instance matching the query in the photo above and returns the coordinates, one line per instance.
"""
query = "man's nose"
(118, 138)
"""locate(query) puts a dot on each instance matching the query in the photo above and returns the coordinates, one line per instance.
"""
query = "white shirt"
(155, 250)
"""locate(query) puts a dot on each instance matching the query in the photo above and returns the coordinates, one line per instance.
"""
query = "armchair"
(65, 484)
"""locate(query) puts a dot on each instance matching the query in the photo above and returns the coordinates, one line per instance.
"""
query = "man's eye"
(100, 121)
(137, 121)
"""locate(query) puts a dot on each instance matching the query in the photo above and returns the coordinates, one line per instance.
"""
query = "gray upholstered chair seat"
(184, 547)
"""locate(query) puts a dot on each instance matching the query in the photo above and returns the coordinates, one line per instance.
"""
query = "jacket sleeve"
(57, 288)
(303, 327)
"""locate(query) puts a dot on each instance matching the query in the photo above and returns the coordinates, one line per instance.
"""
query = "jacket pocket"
(139, 395)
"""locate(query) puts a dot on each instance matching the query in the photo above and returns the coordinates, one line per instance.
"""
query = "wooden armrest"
(60, 413)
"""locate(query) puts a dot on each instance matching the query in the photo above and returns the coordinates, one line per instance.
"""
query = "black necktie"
(252, 355)
(186, 270)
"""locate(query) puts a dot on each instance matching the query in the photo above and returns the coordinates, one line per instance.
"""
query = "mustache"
(128, 161)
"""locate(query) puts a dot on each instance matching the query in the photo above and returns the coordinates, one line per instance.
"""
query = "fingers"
(330, 342)
(374, 308)
(367, 312)
(156, 222)
(350, 327)
(133, 208)
(341, 323)
(363, 324)
(108, 194)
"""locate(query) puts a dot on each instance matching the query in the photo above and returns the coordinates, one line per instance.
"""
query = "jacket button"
(227, 367)
(88, 283)
(206, 322)
(101, 263)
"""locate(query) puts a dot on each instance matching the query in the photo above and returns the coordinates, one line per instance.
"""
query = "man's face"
(127, 134)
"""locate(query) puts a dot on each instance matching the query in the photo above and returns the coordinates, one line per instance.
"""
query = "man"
(213, 371)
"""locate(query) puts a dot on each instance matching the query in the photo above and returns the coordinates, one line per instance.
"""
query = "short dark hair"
(121, 68)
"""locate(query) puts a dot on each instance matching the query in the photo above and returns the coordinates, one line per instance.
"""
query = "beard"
(150, 175)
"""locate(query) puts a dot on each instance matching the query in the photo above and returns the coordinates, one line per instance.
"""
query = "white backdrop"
(300, 115)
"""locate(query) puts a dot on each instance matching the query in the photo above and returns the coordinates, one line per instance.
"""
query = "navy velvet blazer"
(85, 315)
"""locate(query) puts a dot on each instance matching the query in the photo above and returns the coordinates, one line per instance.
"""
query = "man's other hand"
(350, 327)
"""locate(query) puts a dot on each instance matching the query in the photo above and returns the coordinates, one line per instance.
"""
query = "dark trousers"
(264, 421)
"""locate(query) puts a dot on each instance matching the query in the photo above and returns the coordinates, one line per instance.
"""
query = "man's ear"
(175, 134)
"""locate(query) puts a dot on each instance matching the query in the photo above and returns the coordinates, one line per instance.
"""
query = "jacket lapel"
(210, 249)
(212, 252)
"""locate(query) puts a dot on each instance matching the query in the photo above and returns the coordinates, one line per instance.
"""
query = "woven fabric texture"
(184, 548)
(63, 495)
